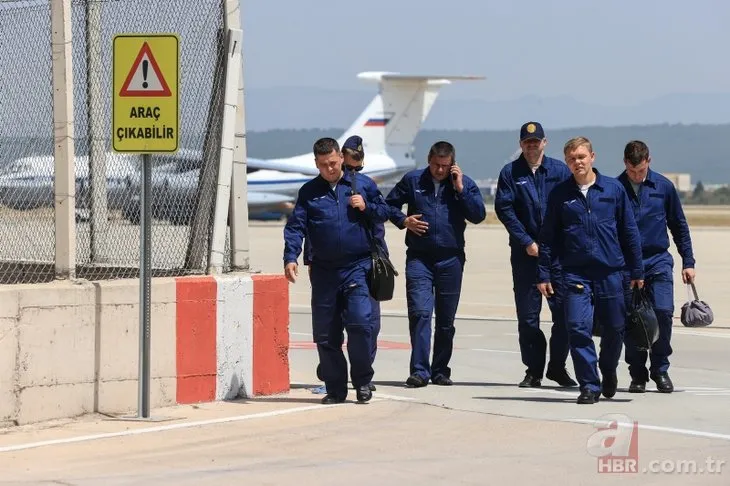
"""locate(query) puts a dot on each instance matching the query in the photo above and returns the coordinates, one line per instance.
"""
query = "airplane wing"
(267, 202)
(273, 164)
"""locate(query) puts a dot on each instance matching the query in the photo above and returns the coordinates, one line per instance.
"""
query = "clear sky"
(611, 52)
(565, 62)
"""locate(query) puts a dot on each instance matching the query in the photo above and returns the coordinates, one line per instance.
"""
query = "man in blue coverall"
(590, 228)
(440, 199)
(335, 220)
(656, 207)
(522, 190)
(354, 160)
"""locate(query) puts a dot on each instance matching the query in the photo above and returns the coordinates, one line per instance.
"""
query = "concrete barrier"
(71, 348)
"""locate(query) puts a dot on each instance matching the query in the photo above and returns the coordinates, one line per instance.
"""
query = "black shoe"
(530, 381)
(371, 386)
(441, 380)
(637, 386)
(331, 398)
(561, 377)
(609, 385)
(415, 381)
(588, 397)
(363, 394)
(663, 382)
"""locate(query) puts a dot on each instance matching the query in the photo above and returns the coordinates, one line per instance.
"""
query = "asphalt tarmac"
(482, 430)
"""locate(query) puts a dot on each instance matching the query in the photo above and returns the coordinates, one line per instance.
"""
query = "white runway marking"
(164, 428)
(701, 391)
(495, 351)
(309, 334)
(396, 398)
(659, 428)
(710, 334)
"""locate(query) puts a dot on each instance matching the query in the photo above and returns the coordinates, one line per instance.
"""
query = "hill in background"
(694, 149)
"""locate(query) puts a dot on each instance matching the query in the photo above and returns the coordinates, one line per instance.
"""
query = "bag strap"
(635, 296)
(368, 224)
(694, 290)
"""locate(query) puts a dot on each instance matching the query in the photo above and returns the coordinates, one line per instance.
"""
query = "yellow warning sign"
(145, 107)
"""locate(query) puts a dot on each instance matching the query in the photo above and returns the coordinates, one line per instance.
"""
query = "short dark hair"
(325, 146)
(442, 149)
(635, 152)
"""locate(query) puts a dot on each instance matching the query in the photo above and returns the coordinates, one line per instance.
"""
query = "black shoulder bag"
(642, 326)
(381, 278)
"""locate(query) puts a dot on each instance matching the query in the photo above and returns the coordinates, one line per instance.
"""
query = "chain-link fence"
(27, 229)
(107, 183)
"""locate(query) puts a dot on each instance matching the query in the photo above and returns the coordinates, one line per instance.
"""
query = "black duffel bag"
(642, 326)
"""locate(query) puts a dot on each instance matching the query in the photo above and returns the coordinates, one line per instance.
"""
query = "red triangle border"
(135, 65)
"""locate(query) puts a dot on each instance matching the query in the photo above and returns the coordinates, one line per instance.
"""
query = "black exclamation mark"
(144, 73)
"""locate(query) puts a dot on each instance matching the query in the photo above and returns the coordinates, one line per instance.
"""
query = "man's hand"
(688, 275)
(291, 270)
(357, 202)
(546, 289)
(637, 283)
(414, 223)
(532, 249)
(458, 177)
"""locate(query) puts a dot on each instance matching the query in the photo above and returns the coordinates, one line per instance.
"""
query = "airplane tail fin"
(390, 123)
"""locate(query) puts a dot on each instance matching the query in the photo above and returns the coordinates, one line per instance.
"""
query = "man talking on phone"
(440, 199)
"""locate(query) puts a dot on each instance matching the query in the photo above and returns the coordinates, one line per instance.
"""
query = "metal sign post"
(145, 271)
(145, 120)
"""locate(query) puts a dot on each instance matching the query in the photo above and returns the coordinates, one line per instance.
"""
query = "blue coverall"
(593, 237)
(656, 208)
(379, 235)
(340, 255)
(434, 262)
(520, 204)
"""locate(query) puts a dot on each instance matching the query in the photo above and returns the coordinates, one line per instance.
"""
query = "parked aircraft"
(388, 125)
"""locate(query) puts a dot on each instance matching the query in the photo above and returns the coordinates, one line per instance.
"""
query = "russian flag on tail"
(377, 122)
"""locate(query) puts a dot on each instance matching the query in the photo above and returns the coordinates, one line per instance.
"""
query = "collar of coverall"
(598, 183)
(649, 180)
(527, 166)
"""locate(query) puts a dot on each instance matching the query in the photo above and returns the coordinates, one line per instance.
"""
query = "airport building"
(681, 181)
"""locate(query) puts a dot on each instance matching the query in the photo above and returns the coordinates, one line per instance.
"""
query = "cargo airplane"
(388, 126)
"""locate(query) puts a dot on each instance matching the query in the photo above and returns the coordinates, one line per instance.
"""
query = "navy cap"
(354, 143)
(531, 130)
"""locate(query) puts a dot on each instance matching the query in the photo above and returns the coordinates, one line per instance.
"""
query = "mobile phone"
(453, 175)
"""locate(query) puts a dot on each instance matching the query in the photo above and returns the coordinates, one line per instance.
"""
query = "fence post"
(63, 128)
(97, 198)
(225, 167)
(239, 181)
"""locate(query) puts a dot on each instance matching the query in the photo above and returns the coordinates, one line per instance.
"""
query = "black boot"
(415, 381)
(363, 394)
(588, 397)
(561, 377)
(332, 398)
(663, 382)
(609, 385)
(530, 381)
(637, 386)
